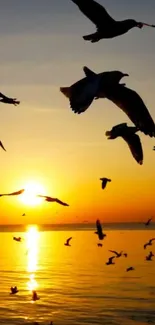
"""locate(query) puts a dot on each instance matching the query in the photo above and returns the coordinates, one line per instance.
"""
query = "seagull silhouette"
(104, 182)
(106, 26)
(149, 257)
(129, 136)
(149, 243)
(19, 239)
(99, 245)
(23, 215)
(148, 222)
(14, 290)
(14, 193)
(133, 106)
(51, 199)
(116, 253)
(110, 261)
(99, 231)
(1, 144)
(7, 100)
(131, 268)
(82, 93)
(67, 243)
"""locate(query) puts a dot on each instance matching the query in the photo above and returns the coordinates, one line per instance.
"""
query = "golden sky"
(66, 154)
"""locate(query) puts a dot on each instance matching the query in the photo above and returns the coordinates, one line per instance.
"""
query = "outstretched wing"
(95, 12)
(151, 240)
(51, 199)
(1, 144)
(68, 240)
(62, 203)
(16, 193)
(113, 252)
(135, 146)
(111, 258)
(132, 104)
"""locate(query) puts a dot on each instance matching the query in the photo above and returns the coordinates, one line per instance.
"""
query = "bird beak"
(140, 25)
(108, 134)
(125, 75)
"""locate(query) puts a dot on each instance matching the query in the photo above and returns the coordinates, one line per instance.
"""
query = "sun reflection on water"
(32, 241)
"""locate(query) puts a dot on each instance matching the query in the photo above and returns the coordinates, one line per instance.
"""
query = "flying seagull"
(14, 290)
(132, 139)
(130, 269)
(116, 253)
(104, 182)
(149, 257)
(14, 193)
(148, 222)
(1, 144)
(7, 100)
(110, 261)
(17, 239)
(99, 231)
(133, 106)
(51, 199)
(149, 243)
(67, 243)
(106, 26)
(82, 93)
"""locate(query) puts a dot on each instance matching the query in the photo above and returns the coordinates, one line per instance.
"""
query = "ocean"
(74, 284)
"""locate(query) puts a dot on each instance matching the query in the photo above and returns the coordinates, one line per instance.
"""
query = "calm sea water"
(73, 283)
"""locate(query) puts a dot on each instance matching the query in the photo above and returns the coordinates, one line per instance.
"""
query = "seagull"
(8, 100)
(116, 253)
(104, 182)
(149, 243)
(106, 26)
(133, 106)
(148, 222)
(14, 290)
(82, 93)
(1, 144)
(132, 139)
(67, 242)
(51, 199)
(130, 269)
(17, 239)
(34, 295)
(99, 231)
(14, 193)
(149, 257)
(110, 261)
(23, 215)
(99, 245)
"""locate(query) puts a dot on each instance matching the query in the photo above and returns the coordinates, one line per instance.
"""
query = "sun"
(32, 189)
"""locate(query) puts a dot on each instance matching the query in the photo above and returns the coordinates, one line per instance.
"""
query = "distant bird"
(129, 136)
(1, 145)
(19, 239)
(99, 231)
(148, 222)
(110, 261)
(125, 255)
(23, 215)
(67, 243)
(133, 106)
(7, 100)
(116, 253)
(14, 290)
(51, 199)
(149, 257)
(104, 182)
(14, 193)
(99, 245)
(82, 93)
(34, 295)
(149, 243)
(106, 26)
(130, 269)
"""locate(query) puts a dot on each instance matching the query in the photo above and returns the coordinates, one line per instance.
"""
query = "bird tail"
(66, 91)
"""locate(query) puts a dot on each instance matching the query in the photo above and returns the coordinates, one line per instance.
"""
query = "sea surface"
(74, 284)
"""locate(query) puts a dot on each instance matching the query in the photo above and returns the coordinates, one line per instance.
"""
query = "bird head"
(116, 131)
(139, 25)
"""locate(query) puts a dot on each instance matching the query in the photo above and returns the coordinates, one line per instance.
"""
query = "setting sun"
(32, 189)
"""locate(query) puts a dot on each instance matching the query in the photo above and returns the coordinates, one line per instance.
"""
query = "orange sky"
(45, 142)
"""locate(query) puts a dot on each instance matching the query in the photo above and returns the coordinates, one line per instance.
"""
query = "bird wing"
(145, 245)
(68, 240)
(132, 105)
(104, 183)
(62, 203)
(1, 144)
(113, 252)
(16, 193)
(151, 240)
(135, 146)
(95, 12)
(111, 258)
(3, 96)
(98, 226)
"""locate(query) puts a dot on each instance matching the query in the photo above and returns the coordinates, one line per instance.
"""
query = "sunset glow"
(32, 189)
